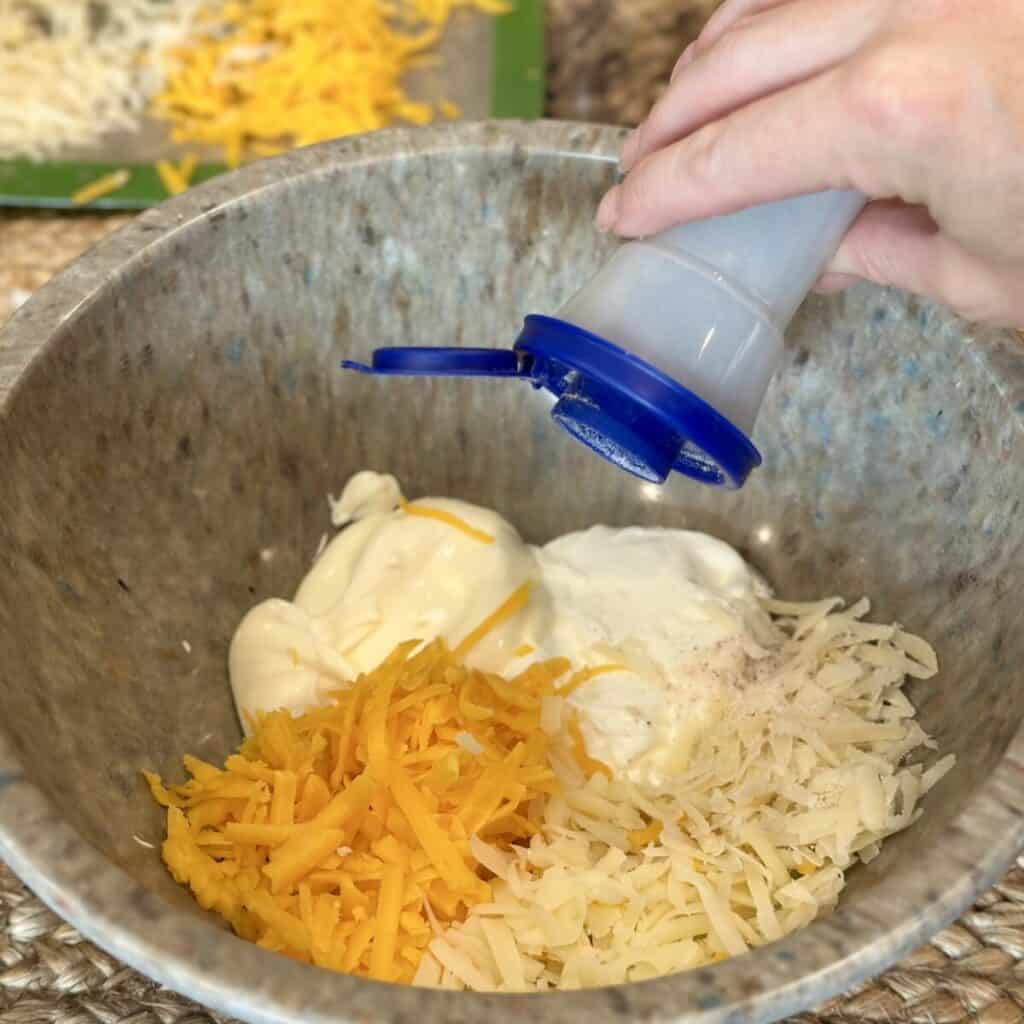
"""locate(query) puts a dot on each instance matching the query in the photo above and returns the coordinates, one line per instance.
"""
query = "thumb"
(897, 245)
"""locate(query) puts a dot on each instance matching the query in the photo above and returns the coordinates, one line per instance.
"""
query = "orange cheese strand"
(175, 179)
(389, 912)
(585, 675)
(429, 512)
(589, 764)
(512, 605)
(645, 836)
(101, 187)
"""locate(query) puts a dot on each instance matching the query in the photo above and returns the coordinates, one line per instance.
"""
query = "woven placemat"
(34, 246)
(972, 971)
(608, 59)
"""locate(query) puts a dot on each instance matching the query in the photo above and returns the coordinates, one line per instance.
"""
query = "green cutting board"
(490, 67)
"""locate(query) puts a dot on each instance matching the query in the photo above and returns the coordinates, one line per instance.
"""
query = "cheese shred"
(449, 518)
(175, 178)
(515, 603)
(105, 186)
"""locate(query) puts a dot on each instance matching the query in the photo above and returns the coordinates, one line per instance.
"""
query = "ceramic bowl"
(173, 415)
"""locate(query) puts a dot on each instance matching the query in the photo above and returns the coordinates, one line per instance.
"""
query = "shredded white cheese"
(72, 71)
(468, 742)
(800, 778)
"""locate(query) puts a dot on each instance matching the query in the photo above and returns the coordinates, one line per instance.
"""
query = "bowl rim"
(205, 963)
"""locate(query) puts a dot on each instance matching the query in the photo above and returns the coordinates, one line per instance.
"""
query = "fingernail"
(629, 150)
(608, 211)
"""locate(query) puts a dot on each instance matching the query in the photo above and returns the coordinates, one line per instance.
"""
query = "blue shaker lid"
(620, 406)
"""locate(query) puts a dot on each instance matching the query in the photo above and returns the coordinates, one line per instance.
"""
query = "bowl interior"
(167, 455)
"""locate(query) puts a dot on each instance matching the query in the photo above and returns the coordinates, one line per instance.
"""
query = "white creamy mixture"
(678, 610)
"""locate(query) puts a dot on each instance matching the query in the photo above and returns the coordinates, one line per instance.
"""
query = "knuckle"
(638, 141)
(731, 50)
(641, 195)
(870, 261)
(657, 122)
(699, 161)
(878, 266)
(872, 250)
(904, 93)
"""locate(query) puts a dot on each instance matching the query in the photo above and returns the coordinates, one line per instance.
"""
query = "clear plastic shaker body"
(708, 303)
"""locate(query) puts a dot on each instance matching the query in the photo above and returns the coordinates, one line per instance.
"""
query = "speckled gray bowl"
(172, 415)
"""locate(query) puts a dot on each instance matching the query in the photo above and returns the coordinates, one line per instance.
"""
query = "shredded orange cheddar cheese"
(585, 675)
(327, 834)
(646, 836)
(258, 76)
(589, 764)
(429, 512)
(514, 604)
(105, 186)
(175, 179)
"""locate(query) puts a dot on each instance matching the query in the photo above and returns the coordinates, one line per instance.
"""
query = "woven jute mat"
(972, 971)
(609, 59)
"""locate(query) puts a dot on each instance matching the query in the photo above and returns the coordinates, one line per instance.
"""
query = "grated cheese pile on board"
(800, 778)
(259, 76)
(342, 836)
(72, 71)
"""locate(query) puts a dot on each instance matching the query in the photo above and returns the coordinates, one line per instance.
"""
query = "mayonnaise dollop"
(679, 611)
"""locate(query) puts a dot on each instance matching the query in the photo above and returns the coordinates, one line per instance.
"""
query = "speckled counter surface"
(48, 973)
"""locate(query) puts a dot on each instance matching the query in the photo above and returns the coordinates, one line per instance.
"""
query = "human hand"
(919, 104)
